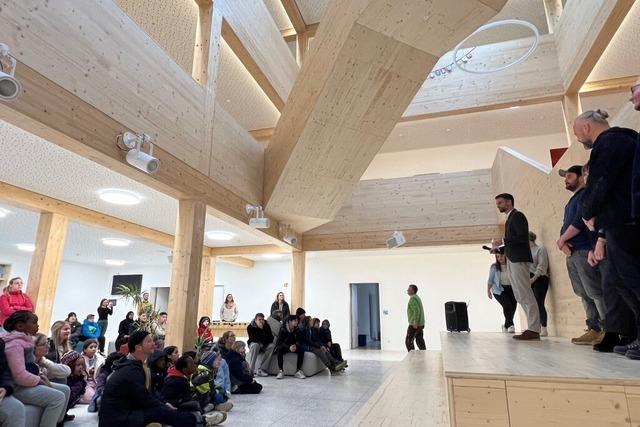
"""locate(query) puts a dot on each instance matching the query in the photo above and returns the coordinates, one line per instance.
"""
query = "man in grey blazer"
(518, 252)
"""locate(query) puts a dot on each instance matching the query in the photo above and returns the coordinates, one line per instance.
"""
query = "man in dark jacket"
(127, 399)
(635, 187)
(12, 413)
(288, 341)
(607, 205)
(518, 252)
(260, 341)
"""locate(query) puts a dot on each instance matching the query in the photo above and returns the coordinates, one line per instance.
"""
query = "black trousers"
(336, 352)
(284, 350)
(417, 335)
(253, 388)
(164, 415)
(509, 304)
(619, 318)
(540, 288)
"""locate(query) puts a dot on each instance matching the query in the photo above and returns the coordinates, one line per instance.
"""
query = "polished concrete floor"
(321, 400)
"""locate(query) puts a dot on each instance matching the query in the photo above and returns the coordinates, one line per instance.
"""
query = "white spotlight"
(397, 239)
(115, 242)
(136, 157)
(288, 235)
(272, 256)
(10, 87)
(259, 220)
(26, 247)
(4, 212)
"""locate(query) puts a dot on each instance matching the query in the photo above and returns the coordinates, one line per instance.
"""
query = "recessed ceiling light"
(26, 247)
(515, 107)
(4, 212)
(271, 256)
(116, 242)
(119, 197)
(220, 235)
(400, 134)
(448, 130)
(114, 262)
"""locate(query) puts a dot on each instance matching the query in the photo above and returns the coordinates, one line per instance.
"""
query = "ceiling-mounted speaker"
(10, 87)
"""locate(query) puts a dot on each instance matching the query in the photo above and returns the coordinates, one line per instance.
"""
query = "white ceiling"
(32, 163)
(312, 10)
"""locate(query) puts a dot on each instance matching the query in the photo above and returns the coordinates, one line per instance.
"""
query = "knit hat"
(208, 358)
(69, 359)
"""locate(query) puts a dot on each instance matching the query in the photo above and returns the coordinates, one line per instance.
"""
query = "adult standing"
(576, 241)
(608, 199)
(104, 311)
(14, 300)
(635, 186)
(280, 305)
(229, 310)
(145, 306)
(499, 286)
(415, 315)
(539, 278)
(518, 253)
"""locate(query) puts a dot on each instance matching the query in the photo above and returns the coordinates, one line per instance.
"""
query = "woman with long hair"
(499, 286)
(60, 342)
(229, 310)
(281, 305)
(104, 311)
(13, 299)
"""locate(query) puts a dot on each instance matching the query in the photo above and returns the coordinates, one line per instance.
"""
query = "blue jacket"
(573, 216)
(494, 280)
(90, 330)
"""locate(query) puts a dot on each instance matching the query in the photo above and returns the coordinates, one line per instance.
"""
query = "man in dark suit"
(518, 252)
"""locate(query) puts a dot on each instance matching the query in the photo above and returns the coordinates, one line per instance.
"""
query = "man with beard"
(576, 241)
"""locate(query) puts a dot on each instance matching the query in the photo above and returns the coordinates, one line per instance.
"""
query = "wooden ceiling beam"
(603, 87)
(247, 250)
(262, 134)
(293, 12)
(238, 261)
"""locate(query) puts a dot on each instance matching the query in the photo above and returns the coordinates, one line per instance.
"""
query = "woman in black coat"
(123, 330)
(282, 305)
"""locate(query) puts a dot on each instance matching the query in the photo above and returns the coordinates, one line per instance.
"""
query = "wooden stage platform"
(493, 380)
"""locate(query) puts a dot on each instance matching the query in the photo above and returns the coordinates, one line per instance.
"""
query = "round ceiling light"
(114, 262)
(271, 256)
(119, 197)
(220, 235)
(26, 247)
(115, 242)
(4, 212)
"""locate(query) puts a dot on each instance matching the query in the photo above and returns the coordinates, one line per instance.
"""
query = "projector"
(397, 239)
(262, 222)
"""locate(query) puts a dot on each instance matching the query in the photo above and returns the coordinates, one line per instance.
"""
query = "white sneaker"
(544, 332)
(261, 373)
(511, 329)
(224, 407)
(300, 374)
(214, 418)
(504, 329)
(280, 375)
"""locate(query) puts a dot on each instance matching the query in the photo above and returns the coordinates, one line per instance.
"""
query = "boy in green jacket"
(415, 314)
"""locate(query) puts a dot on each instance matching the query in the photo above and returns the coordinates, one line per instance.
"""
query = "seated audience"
(311, 342)
(242, 381)
(142, 324)
(225, 342)
(229, 310)
(101, 379)
(30, 387)
(288, 342)
(499, 286)
(172, 354)
(204, 332)
(158, 329)
(13, 299)
(12, 412)
(280, 305)
(77, 381)
(157, 363)
(60, 341)
(212, 381)
(327, 341)
(176, 389)
(92, 362)
(300, 315)
(91, 330)
(123, 329)
(275, 321)
(127, 400)
(51, 370)
(260, 341)
(76, 329)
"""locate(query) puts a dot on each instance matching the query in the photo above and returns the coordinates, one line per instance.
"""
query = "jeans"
(12, 412)
(519, 277)
(223, 377)
(51, 400)
(103, 331)
(416, 334)
(509, 305)
(619, 317)
(623, 250)
(255, 349)
(327, 359)
(587, 284)
(284, 350)
(540, 288)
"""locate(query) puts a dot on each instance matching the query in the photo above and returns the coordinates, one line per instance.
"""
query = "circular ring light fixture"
(220, 235)
(489, 26)
(115, 242)
(119, 197)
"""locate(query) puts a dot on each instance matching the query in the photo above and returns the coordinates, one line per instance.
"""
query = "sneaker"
(624, 349)
(590, 337)
(609, 342)
(208, 408)
(340, 366)
(280, 375)
(511, 329)
(544, 332)
(527, 336)
(300, 374)
(504, 329)
(261, 373)
(214, 418)
(224, 407)
(633, 350)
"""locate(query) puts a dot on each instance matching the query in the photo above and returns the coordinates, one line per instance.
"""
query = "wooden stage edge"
(493, 380)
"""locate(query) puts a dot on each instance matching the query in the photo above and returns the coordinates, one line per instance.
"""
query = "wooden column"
(203, 36)
(302, 47)
(297, 279)
(185, 275)
(207, 284)
(572, 108)
(45, 266)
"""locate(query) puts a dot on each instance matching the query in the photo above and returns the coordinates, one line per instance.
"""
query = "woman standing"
(14, 300)
(104, 311)
(499, 286)
(539, 278)
(123, 329)
(281, 304)
(229, 310)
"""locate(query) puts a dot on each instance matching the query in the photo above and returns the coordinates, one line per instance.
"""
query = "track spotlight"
(397, 239)
(133, 143)
(259, 220)
(10, 87)
(288, 235)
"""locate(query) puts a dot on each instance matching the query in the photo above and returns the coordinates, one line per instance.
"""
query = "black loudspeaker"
(456, 316)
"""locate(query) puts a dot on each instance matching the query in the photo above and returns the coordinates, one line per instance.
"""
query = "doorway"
(365, 316)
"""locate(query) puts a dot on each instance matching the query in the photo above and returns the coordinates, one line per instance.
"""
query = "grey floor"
(321, 400)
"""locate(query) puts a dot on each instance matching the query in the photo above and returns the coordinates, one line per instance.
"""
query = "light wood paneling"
(238, 261)
(45, 265)
(582, 34)
(366, 63)
(423, 201)
(552, 11)
(298, 263)
(203, 43)
(602, 87)
(480, 406)
(294, 15)
(479, 234)
(95, 51)
(247, 250)
(207, 286)
(186, 274)
(633, 402)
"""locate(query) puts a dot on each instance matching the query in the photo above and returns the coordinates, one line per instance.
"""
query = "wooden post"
(207, 284)
(302, 47)
(185, 275)
(572, 108)
(203, 36)
(297, 279)
(45, 266)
